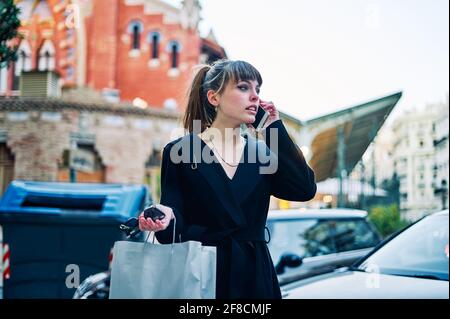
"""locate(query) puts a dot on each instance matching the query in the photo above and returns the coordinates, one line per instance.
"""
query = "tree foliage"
(387, 219)
(9, 25)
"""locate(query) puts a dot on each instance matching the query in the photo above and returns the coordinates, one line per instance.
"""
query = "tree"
(9, 25)
(387, 219)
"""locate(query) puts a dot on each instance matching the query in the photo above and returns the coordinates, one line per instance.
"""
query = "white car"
(412, 264)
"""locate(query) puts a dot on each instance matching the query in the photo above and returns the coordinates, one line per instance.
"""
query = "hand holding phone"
(260, 118)
(131, 226)
(153, 213)
(155, 218)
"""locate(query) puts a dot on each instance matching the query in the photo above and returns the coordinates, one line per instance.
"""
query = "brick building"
(120, 144)
(130, 50)
(118, 70)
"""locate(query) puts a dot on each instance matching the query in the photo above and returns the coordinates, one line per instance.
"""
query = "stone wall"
(38, 134)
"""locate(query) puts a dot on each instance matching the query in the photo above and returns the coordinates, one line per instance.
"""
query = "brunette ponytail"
(198, 107)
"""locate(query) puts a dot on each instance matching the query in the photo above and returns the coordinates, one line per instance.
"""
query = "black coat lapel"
(221, 186)
(247, 176)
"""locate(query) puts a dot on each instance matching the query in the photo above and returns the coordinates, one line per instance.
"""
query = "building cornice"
(55, 105)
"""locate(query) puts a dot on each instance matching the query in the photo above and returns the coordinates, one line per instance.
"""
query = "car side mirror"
(288, 260)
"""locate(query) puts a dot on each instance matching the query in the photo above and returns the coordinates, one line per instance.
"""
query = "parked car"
(316, 241)
(303, 243)
(412, 264)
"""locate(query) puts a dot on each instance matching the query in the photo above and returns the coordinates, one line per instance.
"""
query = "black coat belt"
(232, 284)
(238, 234)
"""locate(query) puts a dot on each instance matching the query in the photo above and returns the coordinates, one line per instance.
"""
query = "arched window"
(46, 60)
(70, 74)
(24, 58)
(29, 8)
(70, 53)
(154, 38)
(135, 28)
(23, 63)
(174, 48)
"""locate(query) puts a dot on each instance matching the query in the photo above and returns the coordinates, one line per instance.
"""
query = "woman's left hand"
(147, 224)
(269, 107)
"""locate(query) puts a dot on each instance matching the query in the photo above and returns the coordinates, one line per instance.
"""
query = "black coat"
(231, 214)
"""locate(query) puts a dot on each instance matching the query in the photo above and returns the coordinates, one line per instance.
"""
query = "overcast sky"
(320, 56)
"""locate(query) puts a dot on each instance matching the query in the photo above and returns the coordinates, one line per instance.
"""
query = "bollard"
(1, 262)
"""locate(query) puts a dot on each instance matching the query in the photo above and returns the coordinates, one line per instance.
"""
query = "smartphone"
(261, 118)
(153, 213)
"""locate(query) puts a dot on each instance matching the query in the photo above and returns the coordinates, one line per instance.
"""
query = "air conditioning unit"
(40, 84)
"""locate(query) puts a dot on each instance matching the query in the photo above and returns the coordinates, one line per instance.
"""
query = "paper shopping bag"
(142, 270)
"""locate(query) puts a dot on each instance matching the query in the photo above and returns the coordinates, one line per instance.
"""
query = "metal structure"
(337, 141)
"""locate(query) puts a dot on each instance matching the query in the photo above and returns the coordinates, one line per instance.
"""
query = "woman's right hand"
(147, 224)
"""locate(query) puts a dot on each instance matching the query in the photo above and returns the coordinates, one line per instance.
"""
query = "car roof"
(302, 213)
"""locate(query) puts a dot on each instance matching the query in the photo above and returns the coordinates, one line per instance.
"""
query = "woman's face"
(238, 103)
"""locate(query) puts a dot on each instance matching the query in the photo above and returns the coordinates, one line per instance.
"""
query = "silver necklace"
(218, 153)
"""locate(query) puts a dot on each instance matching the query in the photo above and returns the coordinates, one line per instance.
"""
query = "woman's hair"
(214, 77)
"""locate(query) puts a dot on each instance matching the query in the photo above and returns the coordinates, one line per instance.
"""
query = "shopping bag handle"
(173, 234)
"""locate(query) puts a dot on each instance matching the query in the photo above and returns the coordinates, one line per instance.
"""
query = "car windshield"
(420, 251)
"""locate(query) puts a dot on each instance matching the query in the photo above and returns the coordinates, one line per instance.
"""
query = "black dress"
(231, 213)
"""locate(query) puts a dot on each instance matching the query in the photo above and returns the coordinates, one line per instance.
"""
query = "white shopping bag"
(142, 270)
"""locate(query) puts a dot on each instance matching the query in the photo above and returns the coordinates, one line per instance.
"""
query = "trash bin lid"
(97, 200)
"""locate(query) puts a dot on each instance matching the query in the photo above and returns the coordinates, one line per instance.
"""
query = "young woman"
(225, 202)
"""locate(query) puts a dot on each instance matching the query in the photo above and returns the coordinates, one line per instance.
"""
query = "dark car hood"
(361, 285)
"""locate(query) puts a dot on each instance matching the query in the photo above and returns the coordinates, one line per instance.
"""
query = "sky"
(321, 56)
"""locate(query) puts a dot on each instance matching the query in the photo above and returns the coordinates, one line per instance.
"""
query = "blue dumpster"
(60, 233)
